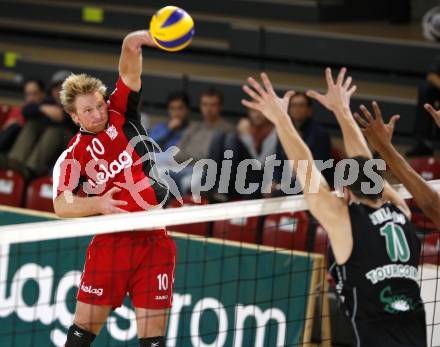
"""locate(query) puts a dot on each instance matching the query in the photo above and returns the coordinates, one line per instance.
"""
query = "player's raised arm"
(379, 136)
(330, 211)
(130, 61)
(337, 100)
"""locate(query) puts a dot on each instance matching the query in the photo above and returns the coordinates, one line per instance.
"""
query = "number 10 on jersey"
(163, 281)
(397, 245)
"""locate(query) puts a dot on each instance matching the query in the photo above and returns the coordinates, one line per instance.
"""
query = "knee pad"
(78, 337)
(158, 341)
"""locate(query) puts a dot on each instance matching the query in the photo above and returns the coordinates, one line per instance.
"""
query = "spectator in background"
(47, 131)
(254, 138)
(424, 128)
(34, 92)
(169, 133)
(11, 121)
(197, 138)
(313, 134)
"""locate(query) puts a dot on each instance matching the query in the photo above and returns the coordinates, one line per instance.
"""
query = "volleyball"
(172, 28)
(431, 24)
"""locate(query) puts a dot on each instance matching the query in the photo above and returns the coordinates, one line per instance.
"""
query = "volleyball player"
(374, 246)
(108, 168)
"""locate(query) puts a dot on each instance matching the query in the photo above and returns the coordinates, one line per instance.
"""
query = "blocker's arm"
(330, 211)
(379, 135)
(337, 100)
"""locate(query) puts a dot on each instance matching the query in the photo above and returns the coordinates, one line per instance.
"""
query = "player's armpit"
(332, 213)
(125, 101)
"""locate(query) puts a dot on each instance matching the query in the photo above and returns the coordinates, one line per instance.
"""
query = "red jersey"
(121, 156)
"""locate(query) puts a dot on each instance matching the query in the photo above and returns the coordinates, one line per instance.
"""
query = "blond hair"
(81, 84)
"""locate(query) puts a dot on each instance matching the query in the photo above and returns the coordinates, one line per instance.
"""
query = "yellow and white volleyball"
(172, 28)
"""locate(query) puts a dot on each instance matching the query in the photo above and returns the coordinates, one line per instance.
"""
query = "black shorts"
(400, 330)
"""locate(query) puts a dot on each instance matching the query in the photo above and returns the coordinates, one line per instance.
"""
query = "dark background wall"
(420, 7)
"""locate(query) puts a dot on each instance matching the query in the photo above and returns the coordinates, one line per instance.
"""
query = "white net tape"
(160, 218)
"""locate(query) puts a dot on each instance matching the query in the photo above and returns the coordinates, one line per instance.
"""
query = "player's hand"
(148, 41)
(338, 94)
(435, 114)
(378, 133)
(108, 205)
(135, 40)
(175, 123)
(265, 100)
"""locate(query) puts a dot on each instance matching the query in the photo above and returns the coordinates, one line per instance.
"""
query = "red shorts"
(139, 263)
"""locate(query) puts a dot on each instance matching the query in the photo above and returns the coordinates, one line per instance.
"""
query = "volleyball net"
(248, 273)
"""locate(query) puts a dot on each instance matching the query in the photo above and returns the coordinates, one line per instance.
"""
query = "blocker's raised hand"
(338, 94)
(434, 113)
(265, 100)
(378, 133)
